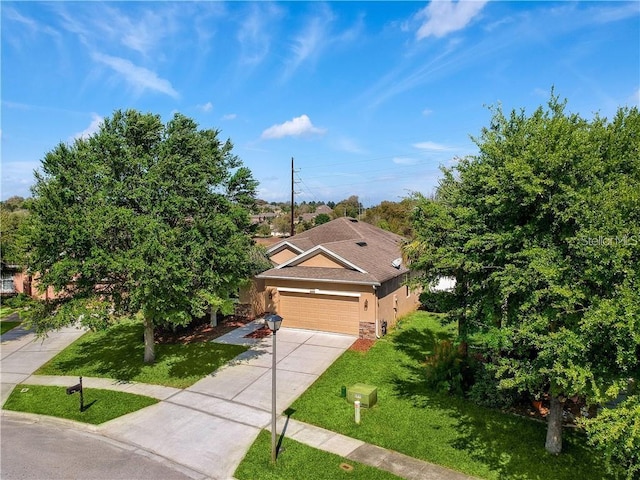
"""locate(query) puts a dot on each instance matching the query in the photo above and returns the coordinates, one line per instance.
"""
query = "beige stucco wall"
(282, 256)
(254, 296)
(395, 303)
(320, 260)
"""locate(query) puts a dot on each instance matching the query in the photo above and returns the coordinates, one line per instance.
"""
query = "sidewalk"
(21, 354)
(350, 448)
(208, 427)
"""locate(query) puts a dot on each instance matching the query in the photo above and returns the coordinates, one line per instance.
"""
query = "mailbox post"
(77, 388)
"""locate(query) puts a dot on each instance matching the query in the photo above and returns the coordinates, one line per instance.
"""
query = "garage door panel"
(330, 313)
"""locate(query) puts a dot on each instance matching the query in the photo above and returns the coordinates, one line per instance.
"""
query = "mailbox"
(77, 388)
(74, 389)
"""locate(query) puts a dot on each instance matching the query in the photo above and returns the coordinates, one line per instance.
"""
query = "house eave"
(318, 280)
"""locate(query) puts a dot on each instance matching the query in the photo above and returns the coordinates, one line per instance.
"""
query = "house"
(16, 280)
(8, 284)
(344, 276)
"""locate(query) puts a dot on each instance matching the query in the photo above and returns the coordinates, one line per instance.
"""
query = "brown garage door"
(329, 313)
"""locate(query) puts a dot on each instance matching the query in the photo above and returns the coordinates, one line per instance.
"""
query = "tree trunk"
(149, 344)
(554, 426)
(213, 317)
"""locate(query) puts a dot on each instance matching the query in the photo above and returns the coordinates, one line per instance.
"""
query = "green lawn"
(100, 405)
(297, 461)
(6, 326)
(118, 353)
(441, 429)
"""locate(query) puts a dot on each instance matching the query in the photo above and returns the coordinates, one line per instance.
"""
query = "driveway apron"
(209, 426)
(22, 354)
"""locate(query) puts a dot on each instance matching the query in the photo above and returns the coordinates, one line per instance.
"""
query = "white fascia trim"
(317, 280)
(281, 245)
(310, 253)
(316, 291)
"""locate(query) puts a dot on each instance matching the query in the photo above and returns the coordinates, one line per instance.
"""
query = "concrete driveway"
(210, 426)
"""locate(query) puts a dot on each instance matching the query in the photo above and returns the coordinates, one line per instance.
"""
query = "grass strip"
(6, 326)
(118, 353)
(296, 461)
(100, 405)
(445, 430)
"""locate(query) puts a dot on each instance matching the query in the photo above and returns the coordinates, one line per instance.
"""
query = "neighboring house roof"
(361, 253)
(267, 242)
(263, 217)
(323, 209)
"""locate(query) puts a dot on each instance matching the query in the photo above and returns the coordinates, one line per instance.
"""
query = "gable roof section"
(367, 253)
(278, 247)
(314, 251)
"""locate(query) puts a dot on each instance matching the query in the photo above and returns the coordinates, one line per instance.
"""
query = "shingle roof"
(370, 248)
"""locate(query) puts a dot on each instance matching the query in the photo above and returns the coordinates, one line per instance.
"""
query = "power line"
(370, 159)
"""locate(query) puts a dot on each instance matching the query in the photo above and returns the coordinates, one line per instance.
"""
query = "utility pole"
(292, 193)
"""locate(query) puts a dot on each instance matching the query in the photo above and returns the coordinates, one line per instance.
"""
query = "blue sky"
(368, 97)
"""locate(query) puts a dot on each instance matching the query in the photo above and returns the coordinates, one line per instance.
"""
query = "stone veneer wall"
(367, 330)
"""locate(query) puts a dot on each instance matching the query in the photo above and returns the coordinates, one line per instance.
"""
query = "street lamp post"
(273, 321)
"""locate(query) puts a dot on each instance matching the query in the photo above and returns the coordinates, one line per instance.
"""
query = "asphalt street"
(38, 451)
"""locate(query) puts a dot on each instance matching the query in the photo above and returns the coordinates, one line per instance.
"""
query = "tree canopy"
(321, 218)
(13, 213)
(392, 216)
(349, 207)
(141, 217)
(541, 230)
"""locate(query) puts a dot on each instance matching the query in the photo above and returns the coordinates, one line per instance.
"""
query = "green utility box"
(366, 394)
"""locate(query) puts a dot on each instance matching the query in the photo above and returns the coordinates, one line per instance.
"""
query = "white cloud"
(432, 146)
(230, 116)
(426, 112)
(94, 126)
(349, 145)
(541, 92)
(28, 28)
(309, 42)
(254, 34)
(205, 107)
(635, 98)
(138, 77)
(404, 161)
(12, 14)
(318, 36)
(442, 17)
(293, 128)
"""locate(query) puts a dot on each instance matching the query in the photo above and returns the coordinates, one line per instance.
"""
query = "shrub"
(486, 390)
(448, 369)
(437, 302)
(19, 301)
(616, 432)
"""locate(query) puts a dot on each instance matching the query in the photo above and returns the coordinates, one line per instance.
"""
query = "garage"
(329, 313)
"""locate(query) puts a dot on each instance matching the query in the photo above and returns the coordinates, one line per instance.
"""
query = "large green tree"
(142, 217)
(392, 216)
(349, 207)
(541, 230)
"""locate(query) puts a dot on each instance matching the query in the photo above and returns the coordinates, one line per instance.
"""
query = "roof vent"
(396, 263)
(361, 244)
(353, 220)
